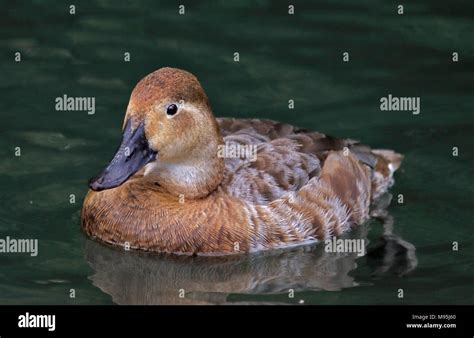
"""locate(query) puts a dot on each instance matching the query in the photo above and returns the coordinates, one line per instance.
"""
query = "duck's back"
(278, 159)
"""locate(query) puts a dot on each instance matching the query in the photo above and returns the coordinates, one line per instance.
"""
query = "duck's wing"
(311, 142)
(283, 158)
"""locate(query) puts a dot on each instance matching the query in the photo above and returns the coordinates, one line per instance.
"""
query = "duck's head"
(170, 131)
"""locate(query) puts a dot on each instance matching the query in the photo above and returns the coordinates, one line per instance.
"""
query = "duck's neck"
(195, 176)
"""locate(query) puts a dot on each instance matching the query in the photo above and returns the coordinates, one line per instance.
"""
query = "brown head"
(170, 131)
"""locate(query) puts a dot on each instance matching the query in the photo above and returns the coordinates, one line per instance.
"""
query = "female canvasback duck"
(185, 182)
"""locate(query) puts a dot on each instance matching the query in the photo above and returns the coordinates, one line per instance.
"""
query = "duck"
(184, 182)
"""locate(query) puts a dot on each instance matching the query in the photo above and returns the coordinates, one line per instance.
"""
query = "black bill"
(133, 153)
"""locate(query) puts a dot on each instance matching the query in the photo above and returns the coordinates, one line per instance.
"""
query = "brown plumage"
(298, 186)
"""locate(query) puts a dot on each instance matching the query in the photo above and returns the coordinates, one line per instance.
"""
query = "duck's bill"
(132, 155)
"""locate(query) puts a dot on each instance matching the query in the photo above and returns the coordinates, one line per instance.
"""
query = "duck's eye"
(172, 109)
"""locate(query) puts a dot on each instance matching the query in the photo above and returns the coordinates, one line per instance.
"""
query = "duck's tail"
(388, 162)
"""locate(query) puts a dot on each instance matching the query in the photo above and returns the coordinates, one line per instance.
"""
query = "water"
(282, 57)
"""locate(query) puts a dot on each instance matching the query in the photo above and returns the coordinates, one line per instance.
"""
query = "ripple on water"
(39, 153)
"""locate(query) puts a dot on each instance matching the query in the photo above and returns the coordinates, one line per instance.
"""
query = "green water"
(282, 57)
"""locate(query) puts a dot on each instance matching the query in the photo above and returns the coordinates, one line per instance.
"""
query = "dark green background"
(282, 57)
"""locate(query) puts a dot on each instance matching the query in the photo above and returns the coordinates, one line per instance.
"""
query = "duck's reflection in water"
(135, 278)
(140, 278)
